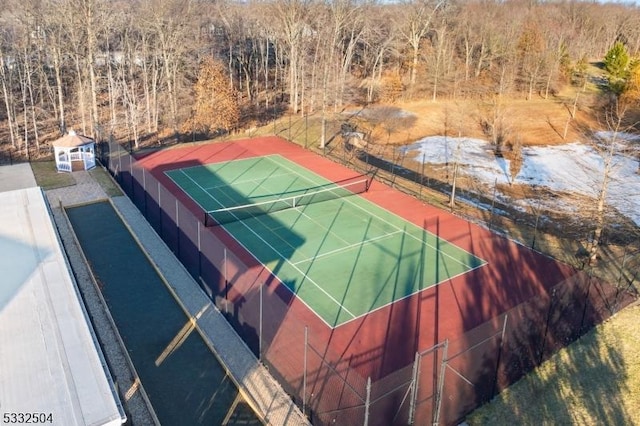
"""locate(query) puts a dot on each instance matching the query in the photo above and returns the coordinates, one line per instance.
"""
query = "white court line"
(205, 166)
(199, 186)
(249, 181)
(297, 269)
(358, 207)
(347, 200)
(423, 230)
(368, 213)
(279, 254)
(348, 247)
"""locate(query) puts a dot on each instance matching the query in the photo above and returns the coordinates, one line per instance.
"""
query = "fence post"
(443, 367)
(119, 166)
(133, 179)
(546, 325)
(422, 177)
(144, 187)
(260, 324)
(160, 212)
(495, 380)
(304, 371)
(584, 307)
(535, 228)
(493, 202)
(177, 231)
(414, 391)
(226, 282)
(199, 252)
(367, 402)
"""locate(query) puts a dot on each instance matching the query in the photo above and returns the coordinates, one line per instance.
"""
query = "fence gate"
(426, 392)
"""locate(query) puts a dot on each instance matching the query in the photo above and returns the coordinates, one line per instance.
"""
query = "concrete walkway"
(86, 190)
(258, 387)
(18, 176)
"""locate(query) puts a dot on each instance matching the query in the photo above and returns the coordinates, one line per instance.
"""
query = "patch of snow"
(574, 167)
(380, 112)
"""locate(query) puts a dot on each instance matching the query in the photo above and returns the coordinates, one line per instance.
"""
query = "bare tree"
(292, 16)
(170, 26)
(495, 123)
(607, 147)
(377, 49)
(457, 120)
(440, 38)
(531, 56)
(6, 80)
(414, 24)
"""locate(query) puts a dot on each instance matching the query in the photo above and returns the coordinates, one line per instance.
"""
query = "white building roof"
(18, 176)
(72, 140)
(49, 361)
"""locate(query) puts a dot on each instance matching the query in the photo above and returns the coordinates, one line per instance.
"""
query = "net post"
(354, 185)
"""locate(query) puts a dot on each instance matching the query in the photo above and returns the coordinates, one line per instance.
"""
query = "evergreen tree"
(616, 61)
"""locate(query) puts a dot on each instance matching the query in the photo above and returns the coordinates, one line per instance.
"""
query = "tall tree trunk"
(614, 120)
(80, 95)
(59, 88)
(32, 106)
(111, 87)
(8, 100)
(90, 23)
(602, 196)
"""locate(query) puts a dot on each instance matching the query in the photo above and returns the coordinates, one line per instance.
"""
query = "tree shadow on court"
(393, 334)
(240, 286)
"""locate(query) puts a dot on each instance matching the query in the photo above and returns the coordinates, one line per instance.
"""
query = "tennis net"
(344, 188)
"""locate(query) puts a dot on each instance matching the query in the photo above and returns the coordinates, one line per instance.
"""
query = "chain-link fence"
(441, 385)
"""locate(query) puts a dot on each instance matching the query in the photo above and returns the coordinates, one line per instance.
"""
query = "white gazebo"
(74, 152)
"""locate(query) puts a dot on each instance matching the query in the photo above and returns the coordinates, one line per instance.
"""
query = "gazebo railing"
(64, 166)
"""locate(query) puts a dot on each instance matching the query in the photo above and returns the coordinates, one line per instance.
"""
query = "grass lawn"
(595, 381)
(104, 180)
(47, 176)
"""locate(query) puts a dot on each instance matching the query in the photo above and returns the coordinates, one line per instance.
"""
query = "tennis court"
(342, 255)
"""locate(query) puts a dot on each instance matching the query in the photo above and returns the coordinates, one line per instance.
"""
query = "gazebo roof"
(72, 140)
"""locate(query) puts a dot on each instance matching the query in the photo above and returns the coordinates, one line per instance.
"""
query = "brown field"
(531, 122)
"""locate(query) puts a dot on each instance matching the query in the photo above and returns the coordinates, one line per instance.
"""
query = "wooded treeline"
(131, 67)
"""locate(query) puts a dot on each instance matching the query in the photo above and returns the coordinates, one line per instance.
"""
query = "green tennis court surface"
(343, 256)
